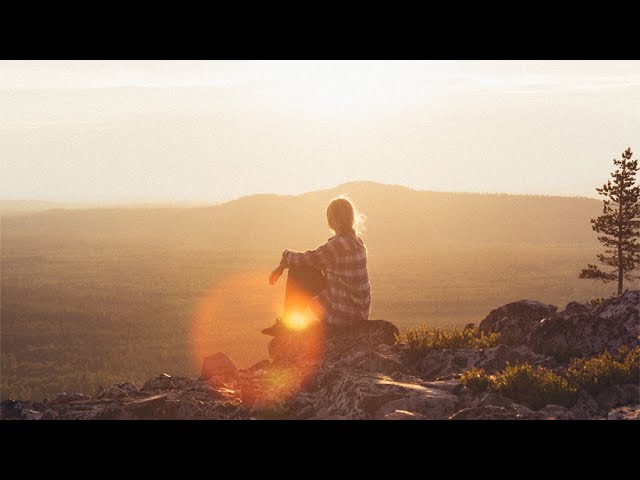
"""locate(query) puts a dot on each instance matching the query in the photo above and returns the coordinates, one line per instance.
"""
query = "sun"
(297, 320)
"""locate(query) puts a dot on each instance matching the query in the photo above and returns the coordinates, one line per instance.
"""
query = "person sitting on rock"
(332, 280)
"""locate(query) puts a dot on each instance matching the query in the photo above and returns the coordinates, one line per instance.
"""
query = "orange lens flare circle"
(228, 318)
(297, 321)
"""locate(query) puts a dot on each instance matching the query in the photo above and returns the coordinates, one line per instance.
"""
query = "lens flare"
(297, 321)
(228, 318)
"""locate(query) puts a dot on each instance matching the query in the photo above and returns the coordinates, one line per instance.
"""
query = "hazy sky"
(215, 130)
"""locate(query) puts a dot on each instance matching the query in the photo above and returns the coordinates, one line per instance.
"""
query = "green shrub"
(597, 373)
(476, 380)
(423, 338)
(526, 384)
(534, 386)
(538, 386)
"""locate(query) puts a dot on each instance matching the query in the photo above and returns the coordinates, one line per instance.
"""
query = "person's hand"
(275, 275)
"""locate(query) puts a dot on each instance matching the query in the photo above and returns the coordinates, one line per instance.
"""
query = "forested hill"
(397, 217)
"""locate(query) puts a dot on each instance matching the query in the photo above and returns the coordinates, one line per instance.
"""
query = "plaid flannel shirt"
(343, 260)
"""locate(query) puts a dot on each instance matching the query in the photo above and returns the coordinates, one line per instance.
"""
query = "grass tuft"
(537, 386)
(423, 338)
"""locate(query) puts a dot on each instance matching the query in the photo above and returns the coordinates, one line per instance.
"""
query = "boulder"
(618, 395)
(516, 320)
(586, 408)
(218, 367)
(577, 307)
(578, 334)
(320, 343)
(625, 308)
(261, 365)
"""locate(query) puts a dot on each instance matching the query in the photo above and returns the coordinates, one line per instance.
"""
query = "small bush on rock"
(539, 386)
(533, 386)
(476, 379)
(423, 338)
(597, 373)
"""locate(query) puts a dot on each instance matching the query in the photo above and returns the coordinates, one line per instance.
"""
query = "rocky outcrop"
(515, 321)
(578, 330)
(362, 373)
(447, 362)
(625, 308)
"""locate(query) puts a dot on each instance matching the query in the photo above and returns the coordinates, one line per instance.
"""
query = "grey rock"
(631, 412)
(494, 399)
(261, 365)
(112, 392)
(442, 363)
(164, 382)
(586, 408)
(49, 415)
(556, 412)
(516, 320)
(69, 397)
(145, 407)
(28, 414)
(127, 387)
(431, 403)
(577, 308)
(625, 308)
(218, 367)
(492, 412)
(618, 395)
(580, 334)
(361, 373)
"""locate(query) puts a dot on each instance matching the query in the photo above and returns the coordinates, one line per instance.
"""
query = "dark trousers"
(303, 283)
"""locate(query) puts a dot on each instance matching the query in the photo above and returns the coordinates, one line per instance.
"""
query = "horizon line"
(164, 203)
(194, 202)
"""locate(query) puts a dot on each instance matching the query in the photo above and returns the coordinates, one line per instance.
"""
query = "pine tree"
(619, 224)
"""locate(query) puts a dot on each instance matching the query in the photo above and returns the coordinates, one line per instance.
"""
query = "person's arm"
(321, 258)
(275, 275)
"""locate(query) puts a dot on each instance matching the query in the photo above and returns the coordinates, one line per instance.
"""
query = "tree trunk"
(620, 201)
(620, 269)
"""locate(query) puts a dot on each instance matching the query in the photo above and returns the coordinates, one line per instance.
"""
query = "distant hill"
(397, 218)
(8, 207)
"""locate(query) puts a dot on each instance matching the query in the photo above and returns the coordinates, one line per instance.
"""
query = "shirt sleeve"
(321, 258)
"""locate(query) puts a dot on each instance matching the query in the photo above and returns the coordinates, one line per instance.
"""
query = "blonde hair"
(343, 217)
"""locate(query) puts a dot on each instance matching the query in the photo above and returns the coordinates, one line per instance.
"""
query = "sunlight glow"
(343, 88)
(297, 320)
(234, 307)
